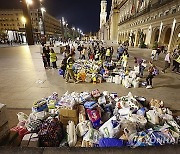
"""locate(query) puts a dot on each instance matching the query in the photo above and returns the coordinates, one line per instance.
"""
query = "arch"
(176, 39)
(155, 35)
(167, 36)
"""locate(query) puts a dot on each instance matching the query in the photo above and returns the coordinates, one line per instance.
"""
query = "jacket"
(53, 57)
(70, 63)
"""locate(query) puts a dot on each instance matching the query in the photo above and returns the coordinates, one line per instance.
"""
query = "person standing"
(83, 53)
(69, 68)
(108, 54)
(44, 60)
(124, 60)
(167, 62)
(150, 76)
(53, 58)
(47, 52)
(120, 52)
(176, 65)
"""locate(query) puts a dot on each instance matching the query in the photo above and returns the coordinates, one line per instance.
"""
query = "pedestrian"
(69, 68)
(44, 60)
(153, 54)
(176, 65)
(167, 62)
(53, 58)
(152, 70)
(108, 54)
(120, 52)
(47, 52)
(63, 66)
(124, 60)
(142, 68)
(83, 53)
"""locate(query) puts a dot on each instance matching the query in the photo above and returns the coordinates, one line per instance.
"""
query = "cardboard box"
(3, 117)
(66, 115)
(30, 140)
(4, 131)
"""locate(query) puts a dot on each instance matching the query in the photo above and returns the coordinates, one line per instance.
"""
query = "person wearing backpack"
(153, 71)
(69, 68)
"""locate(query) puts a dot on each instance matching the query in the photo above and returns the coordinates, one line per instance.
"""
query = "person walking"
(69, 68)
(53, 58)
(167, 62)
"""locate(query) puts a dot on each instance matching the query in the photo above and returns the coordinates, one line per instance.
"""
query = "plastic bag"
(83, 127)
(22, 117)
(95, 117)
(111, 128)
(93, 136)
(71, 131)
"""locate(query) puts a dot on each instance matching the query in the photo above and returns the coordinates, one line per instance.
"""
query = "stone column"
(160, 31)
(172, 32)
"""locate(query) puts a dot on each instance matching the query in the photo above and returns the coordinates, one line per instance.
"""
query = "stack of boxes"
(4, 127)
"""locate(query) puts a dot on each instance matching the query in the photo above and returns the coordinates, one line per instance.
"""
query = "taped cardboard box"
(3, 117)
(66, 115)
(4, 131)
(30, 140)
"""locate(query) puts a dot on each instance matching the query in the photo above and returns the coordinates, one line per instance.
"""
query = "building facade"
(12, 22)
(145, 21)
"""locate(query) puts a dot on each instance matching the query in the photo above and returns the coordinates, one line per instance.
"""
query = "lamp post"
(28, 25)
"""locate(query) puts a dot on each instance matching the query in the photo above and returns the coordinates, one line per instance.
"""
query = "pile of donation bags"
(98, 119)
(111, 72)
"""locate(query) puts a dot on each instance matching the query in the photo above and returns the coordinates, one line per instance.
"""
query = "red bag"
(22, 131)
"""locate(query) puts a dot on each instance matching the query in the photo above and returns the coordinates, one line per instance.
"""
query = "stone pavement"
(24, 80)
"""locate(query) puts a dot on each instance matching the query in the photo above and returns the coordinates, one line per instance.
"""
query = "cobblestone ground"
(23, 80)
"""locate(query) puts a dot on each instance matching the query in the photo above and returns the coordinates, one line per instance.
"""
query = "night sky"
(83, 14)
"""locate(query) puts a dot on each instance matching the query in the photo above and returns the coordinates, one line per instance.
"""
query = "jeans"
(54, 64)
(176, 66)
(149, 79)
(141, 70)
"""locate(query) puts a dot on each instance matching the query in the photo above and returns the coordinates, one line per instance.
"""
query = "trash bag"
(51, 133)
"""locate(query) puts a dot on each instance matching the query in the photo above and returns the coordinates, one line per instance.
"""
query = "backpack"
(155, 72)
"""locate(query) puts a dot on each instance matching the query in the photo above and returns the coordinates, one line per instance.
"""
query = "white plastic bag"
(152, 117)
(71, 131)
(83, 127)
(22, 117)
(108, 130)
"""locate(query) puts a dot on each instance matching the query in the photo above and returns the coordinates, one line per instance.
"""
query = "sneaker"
(162, 72)
(67, 82)
(149, 87)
